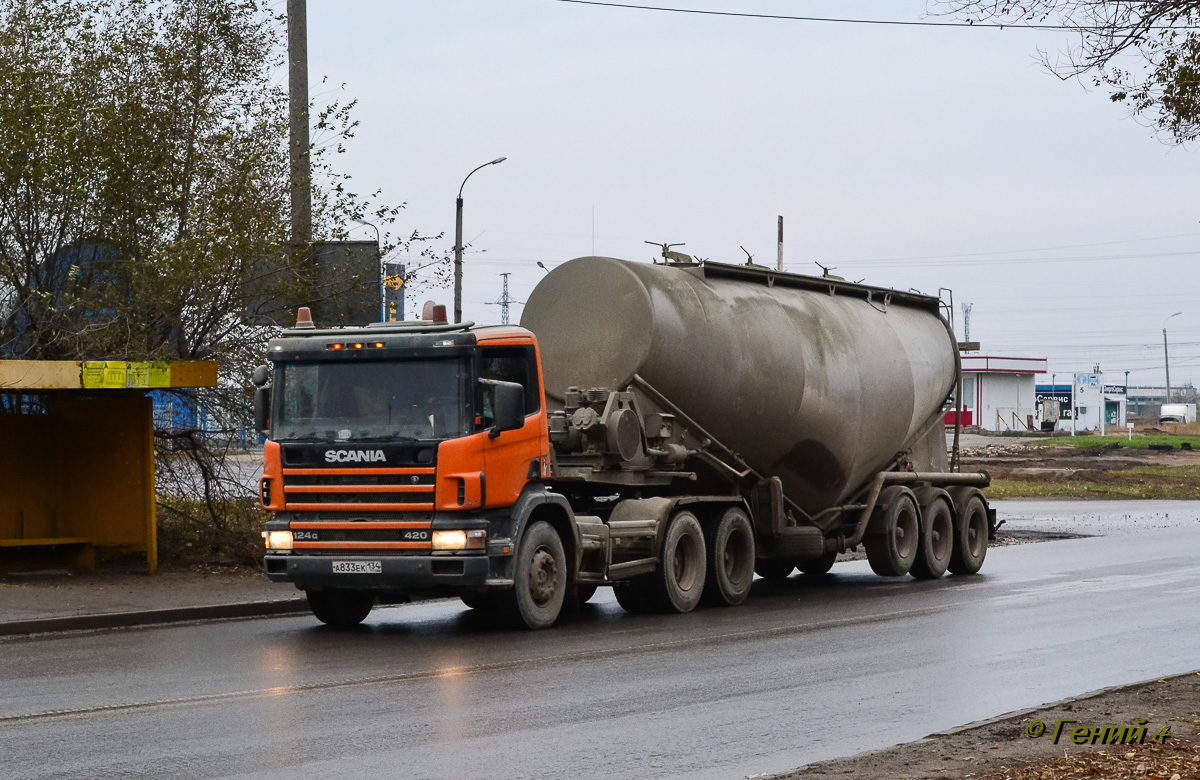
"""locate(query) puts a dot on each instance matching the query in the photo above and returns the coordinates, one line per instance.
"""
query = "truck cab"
(395, 456)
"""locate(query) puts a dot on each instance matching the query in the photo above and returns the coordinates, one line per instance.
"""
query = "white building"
(999, 392)
(1081, 400)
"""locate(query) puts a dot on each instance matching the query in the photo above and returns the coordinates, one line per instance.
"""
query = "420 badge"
(358, 567)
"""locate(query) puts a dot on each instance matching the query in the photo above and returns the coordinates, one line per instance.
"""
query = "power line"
(891, 22)
(1025, 251)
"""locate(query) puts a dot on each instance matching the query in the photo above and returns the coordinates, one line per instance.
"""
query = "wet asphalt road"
(803, 672)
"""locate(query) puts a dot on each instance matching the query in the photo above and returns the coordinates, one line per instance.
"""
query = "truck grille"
(319, 538)
(358, 479)
(350, 489)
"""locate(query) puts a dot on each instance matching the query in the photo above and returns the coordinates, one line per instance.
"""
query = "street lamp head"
(1176, 314)
(497, 161)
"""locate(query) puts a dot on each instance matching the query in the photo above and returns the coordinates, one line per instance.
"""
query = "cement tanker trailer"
(666, 430)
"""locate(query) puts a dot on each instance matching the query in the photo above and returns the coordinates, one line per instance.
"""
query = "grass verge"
(1140, 441)
(1137, 482)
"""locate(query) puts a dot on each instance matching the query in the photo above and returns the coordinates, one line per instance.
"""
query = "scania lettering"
(667, 430)
(356, 456)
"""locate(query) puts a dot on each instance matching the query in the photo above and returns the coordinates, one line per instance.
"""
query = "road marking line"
(457, 671)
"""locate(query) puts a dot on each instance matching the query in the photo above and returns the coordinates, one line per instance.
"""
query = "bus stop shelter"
(77, 458)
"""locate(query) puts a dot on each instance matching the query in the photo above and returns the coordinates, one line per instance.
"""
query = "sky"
(908, 157)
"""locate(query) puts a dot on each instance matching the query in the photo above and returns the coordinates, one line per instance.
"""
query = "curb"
(154, 616)
(978, 724)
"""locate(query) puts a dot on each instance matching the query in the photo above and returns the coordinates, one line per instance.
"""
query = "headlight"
(278, 540)
(459, 540)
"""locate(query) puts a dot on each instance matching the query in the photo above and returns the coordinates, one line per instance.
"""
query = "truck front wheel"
(540, 585)
(340, 608)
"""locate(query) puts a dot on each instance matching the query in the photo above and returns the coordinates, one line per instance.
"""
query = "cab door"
(514, 457)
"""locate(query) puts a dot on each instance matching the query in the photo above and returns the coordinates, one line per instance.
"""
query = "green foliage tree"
(1146, 52)
(143, 181)
(143, 173)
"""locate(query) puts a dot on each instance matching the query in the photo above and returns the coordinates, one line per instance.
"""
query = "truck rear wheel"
(894, 533)
(340, 608)
(730, 560)
(540, 583)
(679, 581)
(937, 540)
(970, 537)
(774, 568)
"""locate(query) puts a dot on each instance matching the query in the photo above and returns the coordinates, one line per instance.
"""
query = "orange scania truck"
(668, 430)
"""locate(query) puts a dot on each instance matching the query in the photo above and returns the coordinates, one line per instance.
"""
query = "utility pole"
(966, 310)
(298, 141)
(1167, 359)
(1167, 366)
(779, 256)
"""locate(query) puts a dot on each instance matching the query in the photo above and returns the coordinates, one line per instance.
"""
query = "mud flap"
(993, 526)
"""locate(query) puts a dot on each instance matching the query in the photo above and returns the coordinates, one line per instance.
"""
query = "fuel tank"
(818, 381)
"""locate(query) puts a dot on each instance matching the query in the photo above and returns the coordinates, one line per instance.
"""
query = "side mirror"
(508, 405)
(262, 408)
(260, 376)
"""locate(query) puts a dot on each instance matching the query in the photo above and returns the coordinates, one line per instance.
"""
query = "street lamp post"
(1166, 358)
(458, 244)
(379, 262)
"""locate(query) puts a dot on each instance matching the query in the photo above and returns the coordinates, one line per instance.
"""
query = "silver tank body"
(822, 390)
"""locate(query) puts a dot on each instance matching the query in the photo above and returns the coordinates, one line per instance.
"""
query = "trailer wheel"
(341, 608)
(774, 568)
(819, 566)
(894, 533)
(970, 538)
(937, 540)
(540, 584)
(679, 581)
(730, 561)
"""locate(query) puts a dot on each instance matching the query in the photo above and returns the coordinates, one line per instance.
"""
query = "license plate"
(358, 567)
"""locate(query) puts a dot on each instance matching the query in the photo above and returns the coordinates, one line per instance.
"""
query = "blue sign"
(1063, 396)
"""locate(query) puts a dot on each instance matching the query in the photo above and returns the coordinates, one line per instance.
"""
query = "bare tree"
(1146, 52)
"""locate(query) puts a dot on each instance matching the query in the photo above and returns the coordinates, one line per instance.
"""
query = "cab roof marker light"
(357, 346)
(335, 346)
(444, 343)
(377, 345)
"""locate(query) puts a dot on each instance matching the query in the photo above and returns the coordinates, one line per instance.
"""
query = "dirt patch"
(1024, 471)
(1000, 749)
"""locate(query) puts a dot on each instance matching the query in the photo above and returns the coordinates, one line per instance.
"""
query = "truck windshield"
(379, 400)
